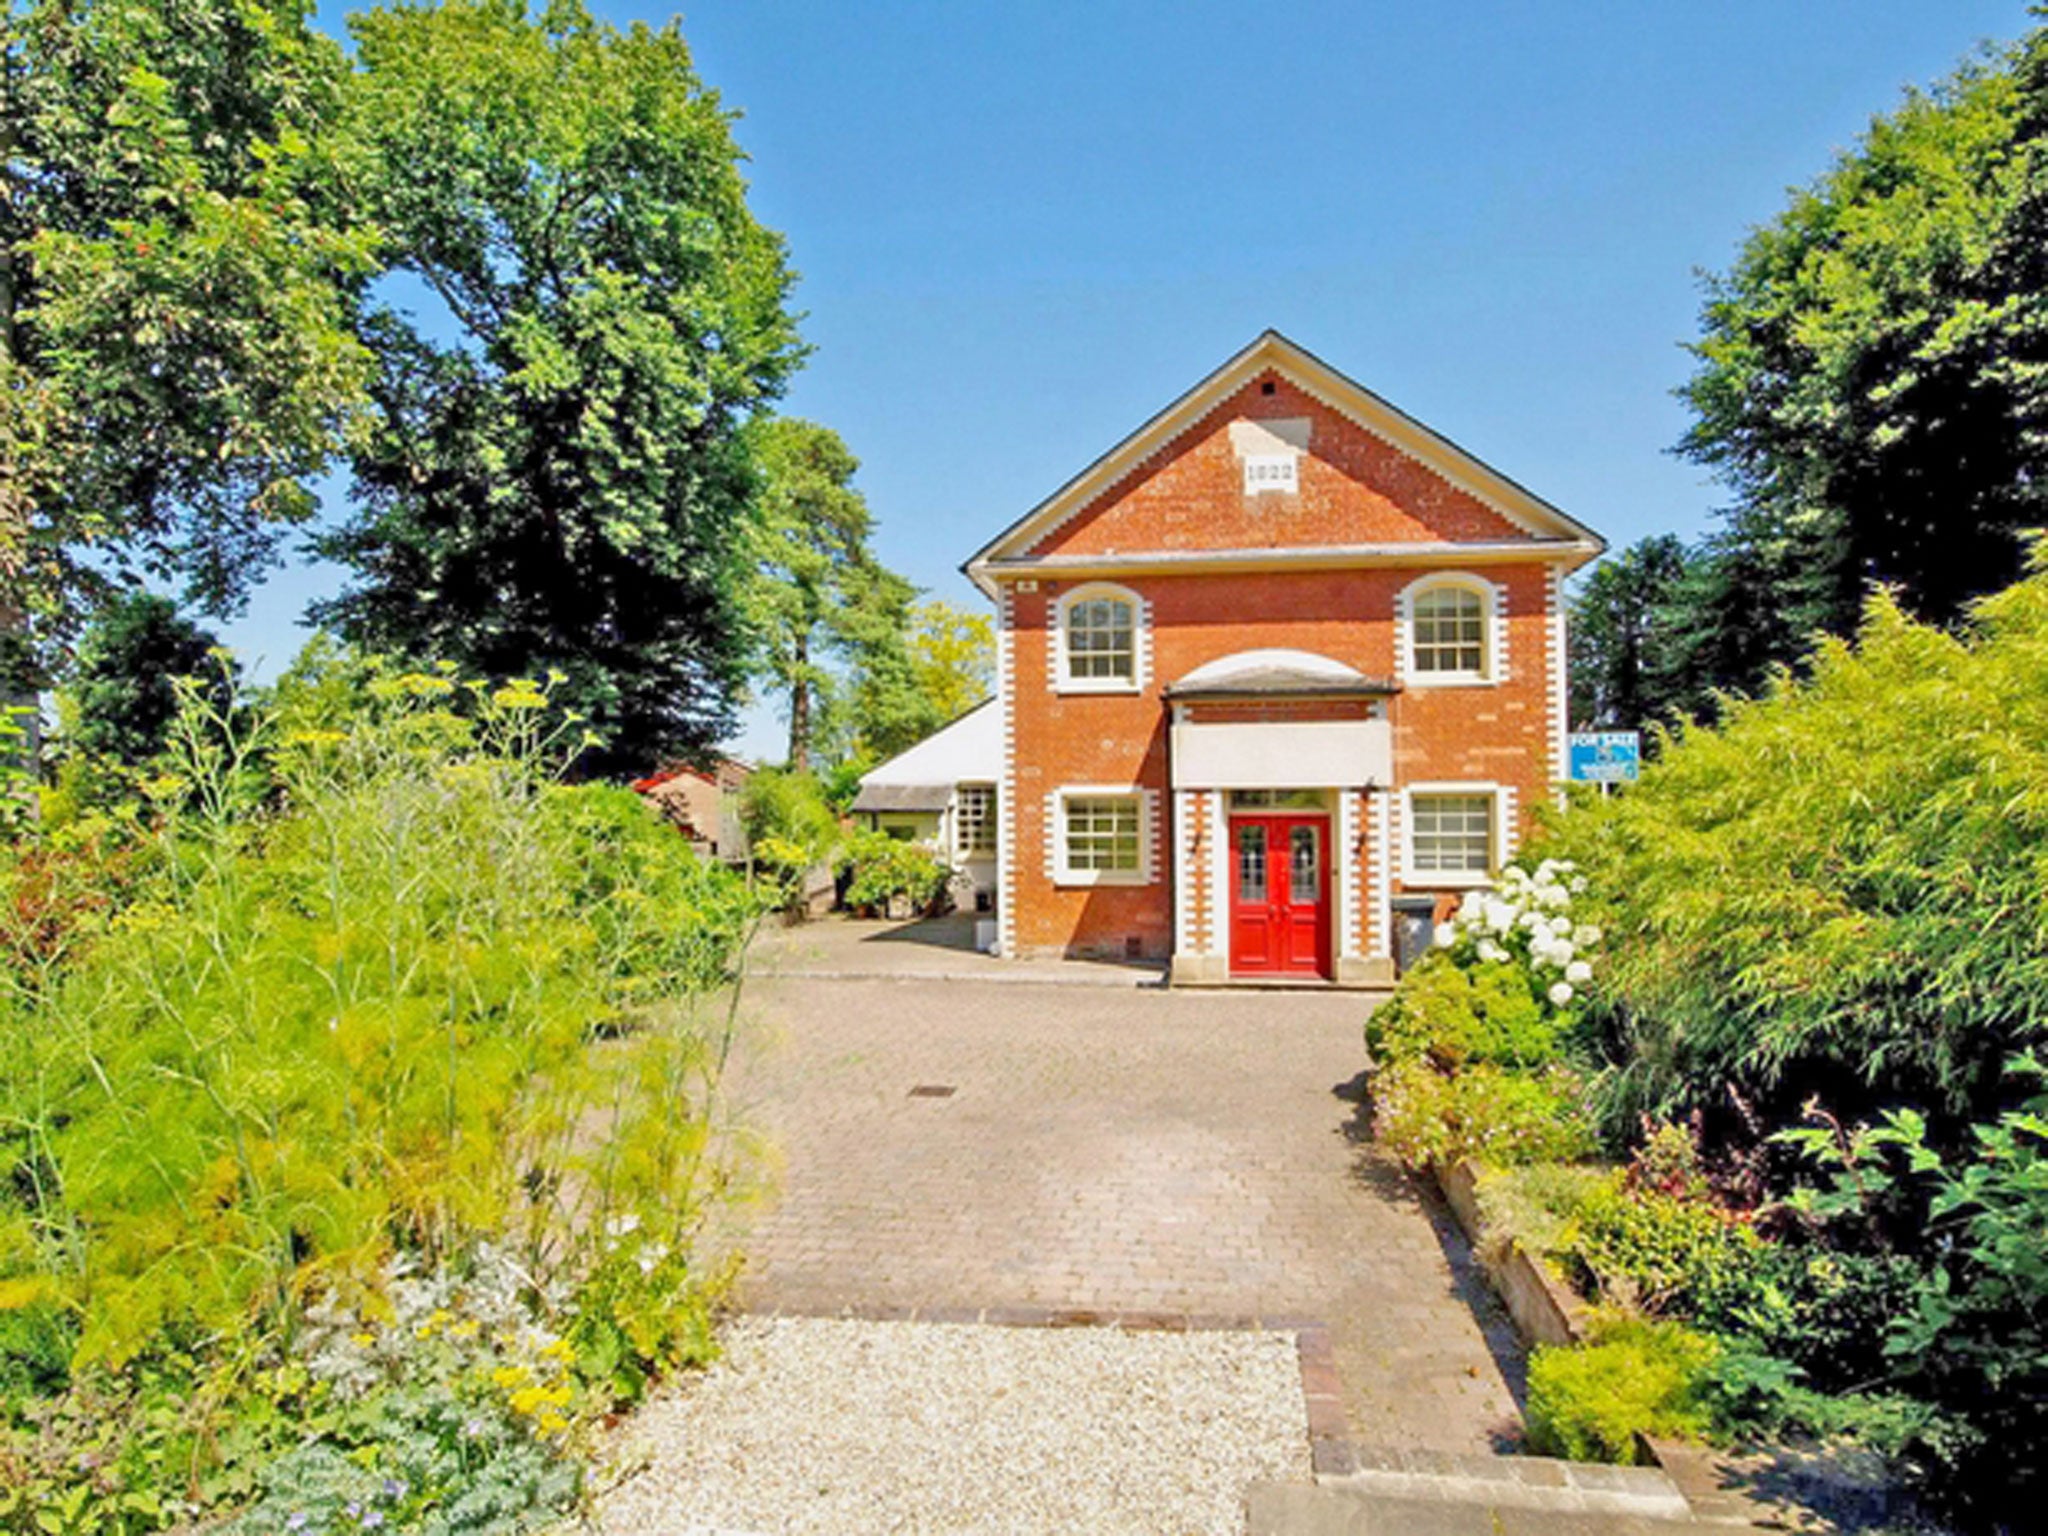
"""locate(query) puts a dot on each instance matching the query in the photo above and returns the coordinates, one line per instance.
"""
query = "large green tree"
(122, 686)
(556, 479)
(812, 578)
(954, 653)
(1873, 378)
(176, 359)
(1619, 666)
(893, 706)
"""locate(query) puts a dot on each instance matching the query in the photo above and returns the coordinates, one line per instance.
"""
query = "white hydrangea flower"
(1585, 935)
(1561, 993)
(1446, 935)
(1561, 926)
(1491, 952)
(1578, 971)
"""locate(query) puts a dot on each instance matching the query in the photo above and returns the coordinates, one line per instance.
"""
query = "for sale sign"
(1606, 757)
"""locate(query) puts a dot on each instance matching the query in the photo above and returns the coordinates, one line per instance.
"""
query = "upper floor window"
(1100, 641)
(1450, 632)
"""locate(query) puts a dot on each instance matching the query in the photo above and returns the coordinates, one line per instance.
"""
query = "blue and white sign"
(1606, 757)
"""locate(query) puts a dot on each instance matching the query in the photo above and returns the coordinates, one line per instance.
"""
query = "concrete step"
(1298, 1509)
(1504, 1482)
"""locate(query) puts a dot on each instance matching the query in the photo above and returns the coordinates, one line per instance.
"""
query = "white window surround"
(1493, 642)
(1063, 680)
(1432, 879)
(1144, 803)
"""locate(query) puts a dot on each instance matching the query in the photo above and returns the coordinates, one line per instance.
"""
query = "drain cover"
(933, 1091)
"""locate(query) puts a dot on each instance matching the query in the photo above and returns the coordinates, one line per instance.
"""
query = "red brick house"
(1278, 660)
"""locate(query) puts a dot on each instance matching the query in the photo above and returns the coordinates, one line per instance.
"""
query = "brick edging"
(1331, 1452)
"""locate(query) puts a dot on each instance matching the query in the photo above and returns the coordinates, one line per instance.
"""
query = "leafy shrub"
(1643, 1247)
(840, 783)
(1466, 1052)
(1749, 1393)
(454, 1412)
(59, 891)
(1839, 891)
(1428, 1117)
(1525, 922)
(1633, 1376)
(1838, 899)
(1453, 1015)
(377, 993)
(1970, 1336)
(17, 781)
(789, 822)
(1822, 1311)
(882, 867)
(122, 694)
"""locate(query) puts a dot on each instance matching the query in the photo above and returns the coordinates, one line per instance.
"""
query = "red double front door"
(1279, 895)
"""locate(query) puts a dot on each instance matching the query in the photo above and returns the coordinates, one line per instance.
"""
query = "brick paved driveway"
(1111, 1148)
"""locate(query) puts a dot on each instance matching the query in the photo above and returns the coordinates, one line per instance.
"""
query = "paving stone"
(1615, 1479)
(1113, 1151)
(1289, 1509)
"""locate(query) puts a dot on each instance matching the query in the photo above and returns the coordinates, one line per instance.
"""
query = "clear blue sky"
(1024, 228)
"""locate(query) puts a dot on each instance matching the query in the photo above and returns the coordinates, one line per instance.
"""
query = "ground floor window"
(1101, 836)
(1451, 834)
(975, 820)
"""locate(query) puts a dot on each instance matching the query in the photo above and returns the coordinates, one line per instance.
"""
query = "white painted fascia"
(989, 575)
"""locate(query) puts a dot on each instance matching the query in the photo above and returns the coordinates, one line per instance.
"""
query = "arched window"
(1449, 631)
(1101, 641)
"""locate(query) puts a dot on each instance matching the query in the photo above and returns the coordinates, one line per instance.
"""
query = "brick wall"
(1353, 488)
(1497, 732)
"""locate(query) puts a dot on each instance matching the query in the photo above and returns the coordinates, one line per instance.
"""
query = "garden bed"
(1544, 1309)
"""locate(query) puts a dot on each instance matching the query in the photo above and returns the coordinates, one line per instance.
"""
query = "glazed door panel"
(1279, 895)
(1252, 910)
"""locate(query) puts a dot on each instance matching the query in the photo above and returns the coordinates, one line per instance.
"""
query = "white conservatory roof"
(968, 751)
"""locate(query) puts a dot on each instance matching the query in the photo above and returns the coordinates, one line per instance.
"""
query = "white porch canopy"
(1278, 754)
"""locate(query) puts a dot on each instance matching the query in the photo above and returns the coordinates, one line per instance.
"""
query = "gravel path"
(821, 1425)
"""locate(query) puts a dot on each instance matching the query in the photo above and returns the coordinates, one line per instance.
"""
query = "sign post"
(1606, 757)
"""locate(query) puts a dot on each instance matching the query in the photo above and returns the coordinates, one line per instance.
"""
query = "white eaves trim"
(1322, 557)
